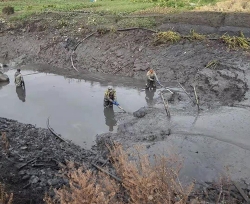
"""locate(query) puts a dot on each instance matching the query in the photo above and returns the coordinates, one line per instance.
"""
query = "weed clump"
(196, 36)
(212, 64)
(235, 42)
(137, 181)
(5, 198)
(103, 30)
(8, 10)
(165, 37)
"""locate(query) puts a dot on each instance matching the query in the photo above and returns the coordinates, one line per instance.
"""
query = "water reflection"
(150, 96)
(21, 93)
(110, 118)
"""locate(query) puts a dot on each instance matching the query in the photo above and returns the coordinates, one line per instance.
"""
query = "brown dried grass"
(5, 198)
(5, 143)
(142, 182)
(228, 6)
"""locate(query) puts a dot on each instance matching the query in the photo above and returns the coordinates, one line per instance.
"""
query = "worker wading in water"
(19, 82)
(110, 98)
(151, 79)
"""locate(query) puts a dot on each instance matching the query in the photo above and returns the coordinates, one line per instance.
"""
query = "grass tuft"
(8, 10)
(5, 198)
(166, 37)
(196, 36)
(235, 42)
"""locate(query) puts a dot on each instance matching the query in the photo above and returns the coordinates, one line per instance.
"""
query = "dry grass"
(228, 6)
(196, 36)
(166, 37)
(141, 182)
(5, 198)
(235, 42)
(155, 10)
(5, 143)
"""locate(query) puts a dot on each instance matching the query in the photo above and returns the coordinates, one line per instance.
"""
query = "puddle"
(75, 107)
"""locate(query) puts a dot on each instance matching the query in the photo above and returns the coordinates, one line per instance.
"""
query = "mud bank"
(30, 166)
(131, 53)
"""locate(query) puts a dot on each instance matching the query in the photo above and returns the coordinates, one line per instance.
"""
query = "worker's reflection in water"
(110, 118)
(21, 93)
(150, 96)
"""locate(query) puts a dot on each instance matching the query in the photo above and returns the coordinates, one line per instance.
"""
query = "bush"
(8, 10)
(138, 181)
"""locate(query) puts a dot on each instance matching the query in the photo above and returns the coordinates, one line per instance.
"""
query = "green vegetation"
(25, 8)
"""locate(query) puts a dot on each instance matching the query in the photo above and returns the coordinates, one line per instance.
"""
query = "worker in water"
(151, 79)
(110, 97)
(19, 79)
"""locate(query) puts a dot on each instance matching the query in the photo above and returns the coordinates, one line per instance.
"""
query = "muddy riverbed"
(74, 107)
(213, 142)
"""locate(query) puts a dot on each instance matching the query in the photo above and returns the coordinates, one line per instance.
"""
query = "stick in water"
(165, 104)
(196, 97)
(186, 92)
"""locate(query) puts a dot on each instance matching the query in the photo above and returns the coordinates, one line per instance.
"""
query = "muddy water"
(75, 107)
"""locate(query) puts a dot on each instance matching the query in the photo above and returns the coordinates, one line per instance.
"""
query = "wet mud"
(213, 141)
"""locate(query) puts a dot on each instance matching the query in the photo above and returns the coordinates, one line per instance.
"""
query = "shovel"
(121, 108)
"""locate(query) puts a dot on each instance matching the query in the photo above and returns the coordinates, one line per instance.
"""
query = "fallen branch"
(54, 133)
(71, 57)
(168, 90)
(83, 40)
(196, 98)
(106, 172)
(126, 29)
(242, 192)
(27, 163)
(72, 62)
(165, 105)
(186, 92)
(136, 28)
(27, 185)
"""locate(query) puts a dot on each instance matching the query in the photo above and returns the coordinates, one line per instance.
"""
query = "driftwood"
(83, 40)
(71, 57)
(106, 172)
(196, 98)
(72, 62)
(27, 185)
(137, 28)
(27, 163)
(242, 192)
(186, 92)
(54, 133)
(165, 104)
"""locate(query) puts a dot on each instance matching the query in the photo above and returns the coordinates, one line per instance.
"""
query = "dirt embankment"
(131, 53)
(31, 158)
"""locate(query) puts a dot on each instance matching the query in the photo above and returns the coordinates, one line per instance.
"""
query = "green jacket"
(110, 95)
